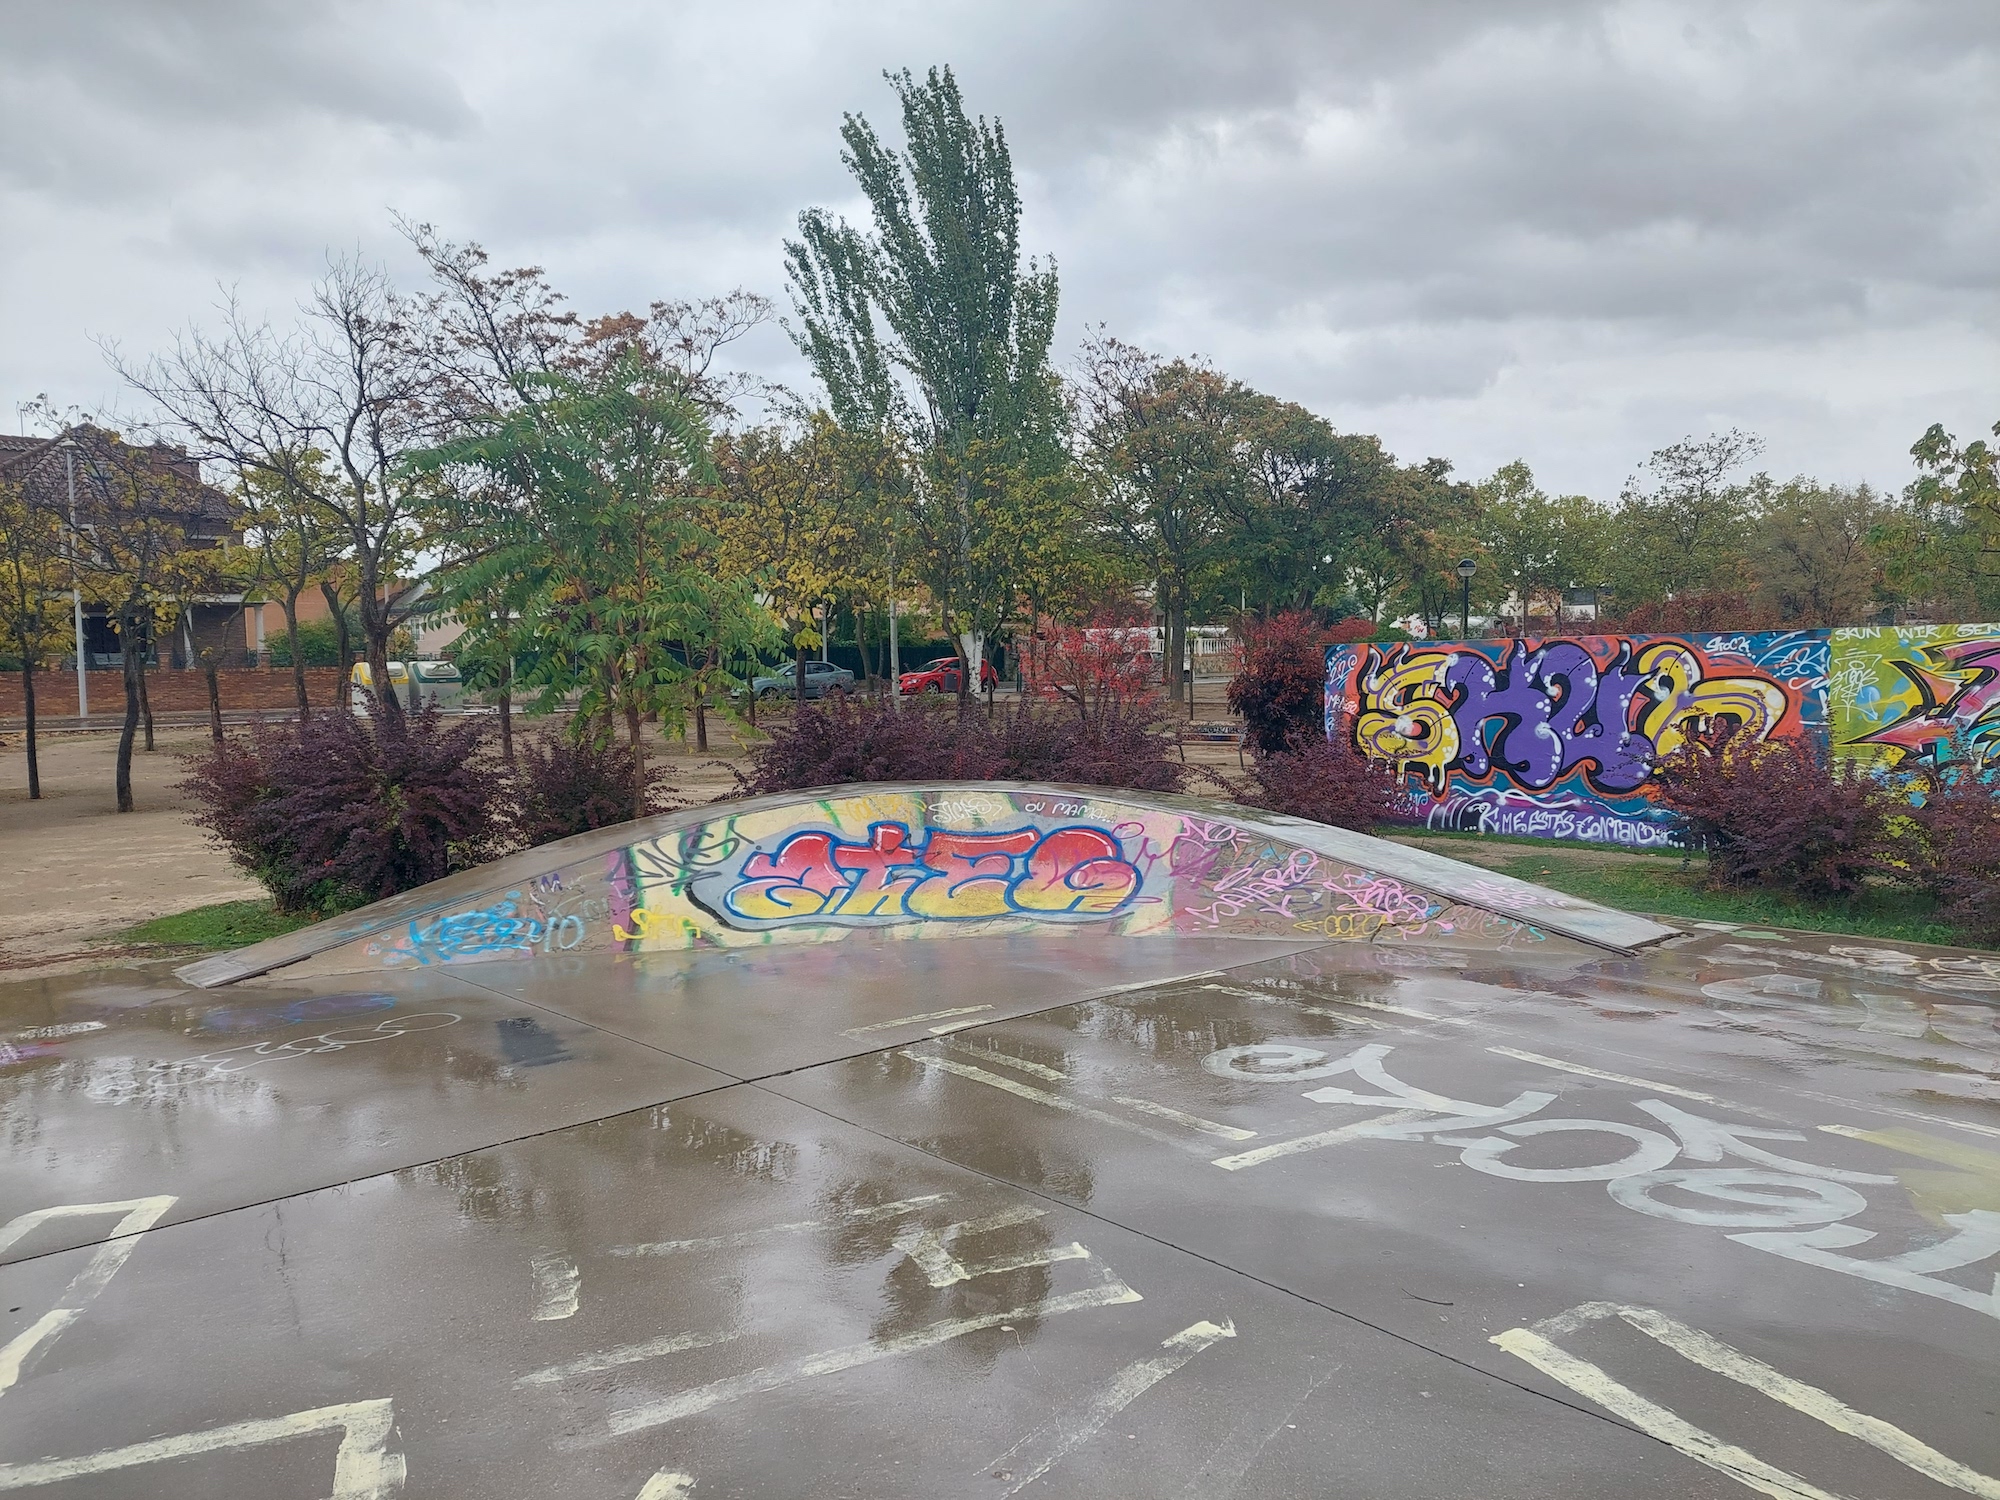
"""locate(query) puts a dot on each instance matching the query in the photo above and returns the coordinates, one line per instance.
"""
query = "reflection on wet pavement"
(990, 1217)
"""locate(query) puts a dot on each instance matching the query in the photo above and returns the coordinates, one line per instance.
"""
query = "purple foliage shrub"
(563, 786)
(1776, 814)
(1949, 848)
(1328, 781)
(832, 743)
(1281, 690)
(337, 812)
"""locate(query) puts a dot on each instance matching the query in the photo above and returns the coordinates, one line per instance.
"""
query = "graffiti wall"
(1914, 694)
(958, 862)
(1558, 738)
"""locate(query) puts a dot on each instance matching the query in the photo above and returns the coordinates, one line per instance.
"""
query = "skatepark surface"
(974, 1141)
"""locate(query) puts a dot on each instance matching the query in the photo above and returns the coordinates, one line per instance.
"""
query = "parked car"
(436, 682)
(822, 677)
(941, 676)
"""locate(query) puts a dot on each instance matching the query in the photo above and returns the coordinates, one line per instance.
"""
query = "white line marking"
(365, 1468)
(1401, 1010)
(1593, 1384)
(20, 1350)
(1193, 1122)
(757, 1236)
(1042, 1096)
(1712, 1354)
(1149, 984)
(1061, 1436)
(1904, 1114)
(138, 1215)
(918, 1020)
(994, 1054)
(558, 1287)
(626, 1354)
(1626, 1078)
(833, 1361)
(951, 1026)
(1360, 1130)
(926, 1247)
(668, 1484)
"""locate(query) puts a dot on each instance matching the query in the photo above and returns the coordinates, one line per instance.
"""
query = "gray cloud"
(1569, 230)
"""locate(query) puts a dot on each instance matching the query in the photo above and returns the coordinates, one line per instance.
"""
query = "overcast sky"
(1560, 230)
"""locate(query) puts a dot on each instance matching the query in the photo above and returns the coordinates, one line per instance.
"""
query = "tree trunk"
(298, 662)
(799, 675)
(701, 701)
(1175, 643)
(129, 658)
(632, 732)
(343, 647)
(28, 705)
(507, 714)
(972, 648)
(214, 700)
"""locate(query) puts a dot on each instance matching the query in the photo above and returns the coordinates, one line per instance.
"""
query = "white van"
(436, 682)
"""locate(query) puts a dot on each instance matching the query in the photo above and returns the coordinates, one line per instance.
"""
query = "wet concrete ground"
(1178, 1218)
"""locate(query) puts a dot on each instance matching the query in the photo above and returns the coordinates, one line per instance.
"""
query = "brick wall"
(168, 691)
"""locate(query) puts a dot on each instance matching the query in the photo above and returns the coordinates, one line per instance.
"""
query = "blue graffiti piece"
(495, 929)
(312, 1008)
(1543, 713)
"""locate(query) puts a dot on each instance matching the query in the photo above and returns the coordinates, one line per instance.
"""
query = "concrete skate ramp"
(937, 860)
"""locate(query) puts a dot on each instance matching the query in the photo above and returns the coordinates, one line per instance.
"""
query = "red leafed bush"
(1106, 667)
(1776, 814)
(1328, 781)
(1281, 690)
(1712, 611)
(337, 812)
(1353, 628)
(1949, 847)
(563, 786)
(833, 743)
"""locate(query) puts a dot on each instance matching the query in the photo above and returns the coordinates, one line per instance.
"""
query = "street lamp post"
(1466, 568)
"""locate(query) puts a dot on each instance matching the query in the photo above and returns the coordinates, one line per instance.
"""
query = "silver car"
(822, 677)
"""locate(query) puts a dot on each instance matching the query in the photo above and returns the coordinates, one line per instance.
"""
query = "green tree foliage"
(34, 601)
(1687, 529)
(1309, 517)
(588, 520)
(1811, 552)
(1164, 440)
(1538, 545)
(930, 325)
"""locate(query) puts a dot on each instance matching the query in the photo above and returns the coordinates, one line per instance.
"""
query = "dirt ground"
(74, 873)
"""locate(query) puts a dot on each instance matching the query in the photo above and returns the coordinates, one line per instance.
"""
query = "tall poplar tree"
(930, 324)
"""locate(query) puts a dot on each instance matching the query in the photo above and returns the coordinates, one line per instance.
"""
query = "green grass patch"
(217, 928)
(1644, 886)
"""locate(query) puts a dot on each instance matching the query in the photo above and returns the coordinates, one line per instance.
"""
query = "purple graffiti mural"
(1560, 738)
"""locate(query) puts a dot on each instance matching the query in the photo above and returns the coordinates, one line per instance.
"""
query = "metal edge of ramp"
(1470, 885)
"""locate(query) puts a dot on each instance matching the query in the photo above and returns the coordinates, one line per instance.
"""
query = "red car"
(941, 676)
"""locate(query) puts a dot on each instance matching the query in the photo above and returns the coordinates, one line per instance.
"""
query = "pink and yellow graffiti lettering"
(1683, 700)
(794, 882)
(1078, 870)
(975, 872)
(883, 869)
